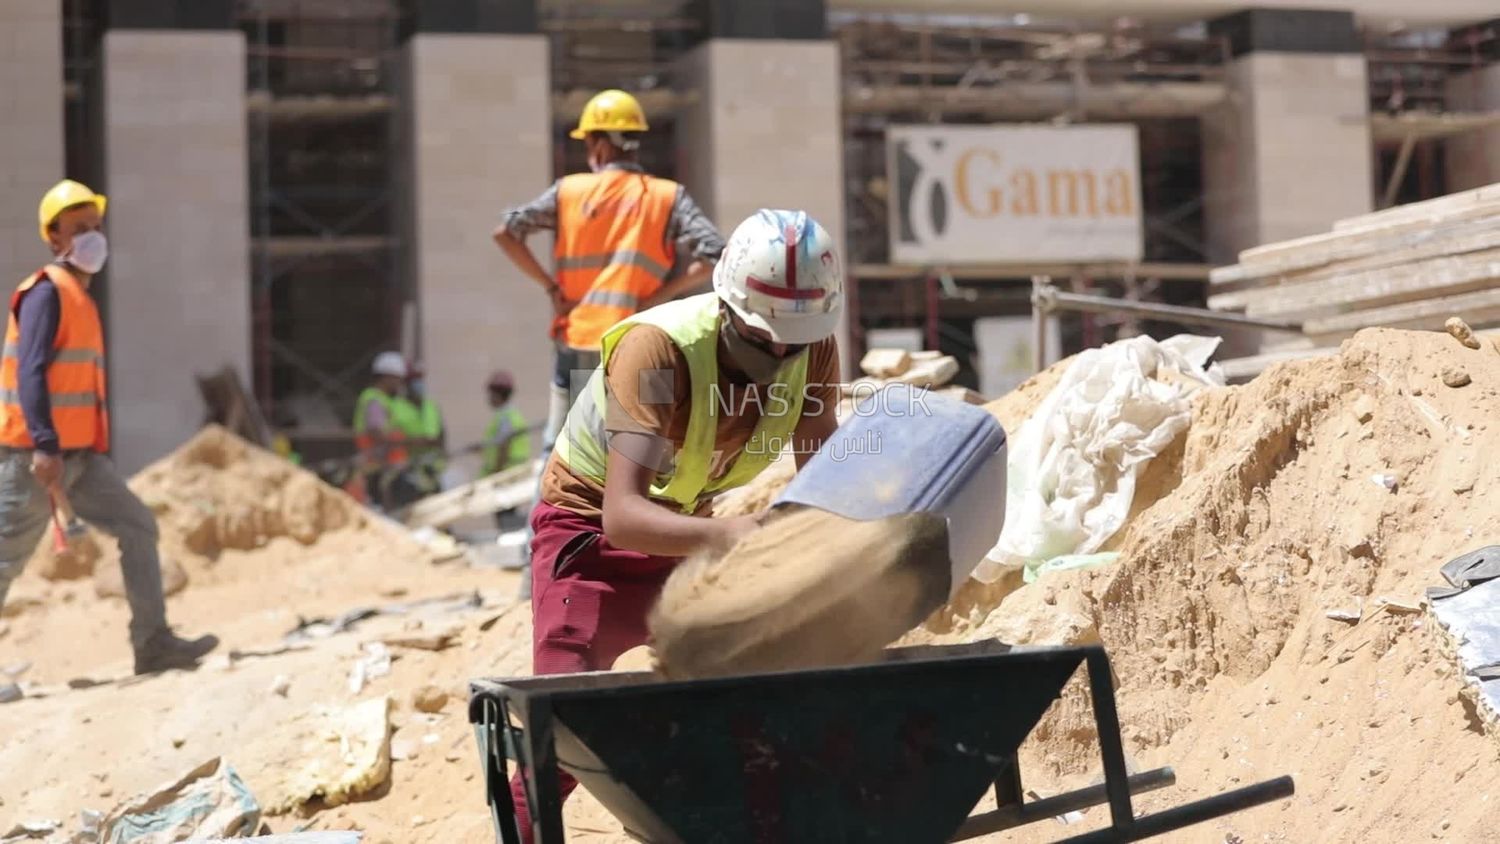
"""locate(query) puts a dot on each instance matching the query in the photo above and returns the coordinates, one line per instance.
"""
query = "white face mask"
(89, 252)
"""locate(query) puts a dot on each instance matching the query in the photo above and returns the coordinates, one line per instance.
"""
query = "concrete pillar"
(31, 135)
(178, 280)
(476, 138)
(1289, 152)
(1473, 158)
(765, 129)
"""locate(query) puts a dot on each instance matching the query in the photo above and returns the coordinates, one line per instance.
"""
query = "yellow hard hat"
(63, 195)
(610, 111)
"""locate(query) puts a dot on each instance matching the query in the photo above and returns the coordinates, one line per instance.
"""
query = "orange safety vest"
(75, 378)
(612, 251)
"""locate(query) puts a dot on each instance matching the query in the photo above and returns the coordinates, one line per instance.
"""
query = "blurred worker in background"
(420, 419)
(619, 233)
(507, 442)
(378, 437)
(54, 426)
(693, 398)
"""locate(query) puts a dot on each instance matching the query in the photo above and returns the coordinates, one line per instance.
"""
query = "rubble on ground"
(1331, 485)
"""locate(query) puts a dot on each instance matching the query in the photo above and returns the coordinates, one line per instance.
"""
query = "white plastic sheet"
(1074, 464)
(209, 801)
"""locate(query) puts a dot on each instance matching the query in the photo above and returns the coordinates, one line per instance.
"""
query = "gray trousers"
(99, 496)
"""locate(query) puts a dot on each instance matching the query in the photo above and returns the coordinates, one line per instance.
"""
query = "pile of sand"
(1323, 487)
(219, 492)
(215, 493)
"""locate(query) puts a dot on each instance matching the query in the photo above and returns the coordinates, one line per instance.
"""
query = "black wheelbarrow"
(899, 751)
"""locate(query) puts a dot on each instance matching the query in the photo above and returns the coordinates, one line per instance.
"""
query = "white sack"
(1074, 463)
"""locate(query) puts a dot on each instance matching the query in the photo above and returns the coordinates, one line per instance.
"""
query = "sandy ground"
(1249, 531)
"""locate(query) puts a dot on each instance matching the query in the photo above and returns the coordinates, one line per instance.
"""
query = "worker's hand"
(560, 304)
(731, 531)
(46, 468)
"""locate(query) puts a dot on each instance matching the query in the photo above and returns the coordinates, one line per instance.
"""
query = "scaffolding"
(632, 45)
(913, 69)
(1413, 107)
(327, 289)
(330, 281)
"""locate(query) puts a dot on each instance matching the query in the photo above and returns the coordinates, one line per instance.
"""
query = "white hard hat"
(389, 363)
(781, 272)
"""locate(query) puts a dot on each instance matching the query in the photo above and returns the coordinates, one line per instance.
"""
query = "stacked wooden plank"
(1412, 266)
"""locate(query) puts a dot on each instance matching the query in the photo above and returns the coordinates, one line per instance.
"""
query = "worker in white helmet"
(379, 439)
(691, 399)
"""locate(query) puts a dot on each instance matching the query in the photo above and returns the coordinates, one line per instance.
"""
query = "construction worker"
(619, 233)
(693, 398)
(420, 419)
(54, 426)
(378, 436)
(507, 442)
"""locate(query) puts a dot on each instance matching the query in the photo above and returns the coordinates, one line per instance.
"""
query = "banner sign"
(1002, 194)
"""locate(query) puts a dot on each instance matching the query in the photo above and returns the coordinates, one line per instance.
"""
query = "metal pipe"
(930, 303)
(1048, 299)
(984, 272)
(1009, 817)
(1038, 325)
(1113, 100)
(1188, 814)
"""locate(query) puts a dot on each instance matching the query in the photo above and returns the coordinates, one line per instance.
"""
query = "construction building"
(297, 185)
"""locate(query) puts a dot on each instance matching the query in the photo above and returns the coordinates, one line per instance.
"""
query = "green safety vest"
(424, 421)
(395, 453)
(519, 450)
(693, 324)
(373, 394)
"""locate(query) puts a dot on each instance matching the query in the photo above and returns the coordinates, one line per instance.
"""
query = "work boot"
(166, 650)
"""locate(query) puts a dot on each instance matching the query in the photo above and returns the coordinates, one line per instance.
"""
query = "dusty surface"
(1217, 618)
(1263, 519)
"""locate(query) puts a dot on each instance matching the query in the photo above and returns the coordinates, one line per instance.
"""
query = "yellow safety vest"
(693, 325)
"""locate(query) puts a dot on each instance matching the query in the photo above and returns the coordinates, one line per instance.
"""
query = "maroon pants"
(589, 602)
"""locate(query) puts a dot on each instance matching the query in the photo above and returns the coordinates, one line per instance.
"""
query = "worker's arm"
(691, 279)
(634, 522)
(691, 233)
(820, 401)
(520, 254)
(37, 319)
(812, 432)
(520, 222)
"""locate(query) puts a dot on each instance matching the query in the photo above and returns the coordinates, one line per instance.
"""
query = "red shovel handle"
(59, 537)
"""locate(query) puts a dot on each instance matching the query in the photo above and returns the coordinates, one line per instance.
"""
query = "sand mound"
(1323, 485)
(809, 589)
(219, 492)
(214, 494)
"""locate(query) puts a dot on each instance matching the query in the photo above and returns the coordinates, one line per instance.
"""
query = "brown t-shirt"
(644, 363)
